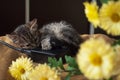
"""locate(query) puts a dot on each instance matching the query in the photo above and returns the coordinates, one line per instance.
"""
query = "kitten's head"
(26, 35)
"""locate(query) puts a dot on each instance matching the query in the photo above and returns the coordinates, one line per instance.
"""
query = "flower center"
(95, 59)
(43, 78)
(115, 17)
(22, 71)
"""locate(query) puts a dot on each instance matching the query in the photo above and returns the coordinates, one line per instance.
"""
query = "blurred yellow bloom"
(117, 65)
(110, 17)
(91, 11)
(96, 59)
(44, 72)
(21, 68)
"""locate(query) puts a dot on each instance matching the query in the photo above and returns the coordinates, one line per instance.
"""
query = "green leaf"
(71, 61)
(117, 42)
(60, 63)
(110, 79)
(53, 62)
(72, 65)
(67, 77)
(104, 1)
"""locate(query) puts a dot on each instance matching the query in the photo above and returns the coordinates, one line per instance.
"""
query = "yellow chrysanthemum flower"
(44, 72)
(117, 65)
(96, 59)
(110, 17)
(21, 68)
(91, 11)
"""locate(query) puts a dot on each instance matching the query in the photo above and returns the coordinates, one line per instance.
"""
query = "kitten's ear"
(32, 24)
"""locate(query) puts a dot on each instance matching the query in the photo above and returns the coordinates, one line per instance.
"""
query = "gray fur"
(61, 31)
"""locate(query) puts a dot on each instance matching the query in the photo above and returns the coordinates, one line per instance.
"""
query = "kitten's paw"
(45, 43)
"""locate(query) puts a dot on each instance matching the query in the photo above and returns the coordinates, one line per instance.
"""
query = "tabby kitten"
(26, 35)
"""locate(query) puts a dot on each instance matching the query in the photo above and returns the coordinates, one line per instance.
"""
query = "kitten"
(57, 35)
(50, 36)
(60, 34)
(26, 35)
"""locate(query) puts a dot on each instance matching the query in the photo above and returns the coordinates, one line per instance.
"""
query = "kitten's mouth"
(52, 53)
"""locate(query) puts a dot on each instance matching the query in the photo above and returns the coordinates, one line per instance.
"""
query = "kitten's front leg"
(45, 44)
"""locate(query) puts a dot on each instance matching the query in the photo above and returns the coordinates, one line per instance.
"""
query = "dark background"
(71, 11)
(12, 13)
